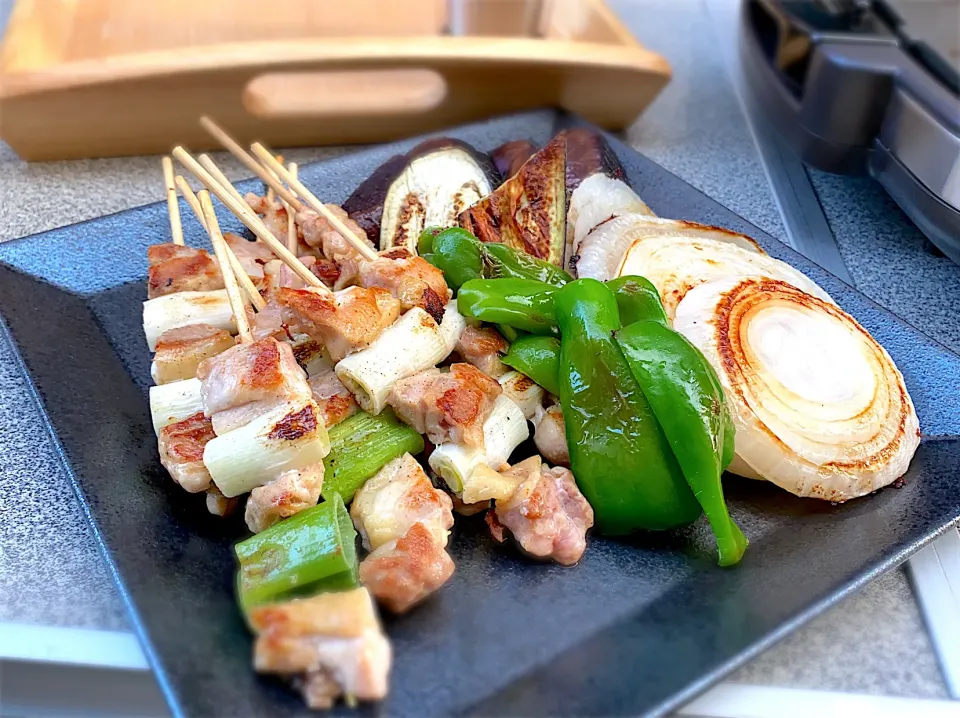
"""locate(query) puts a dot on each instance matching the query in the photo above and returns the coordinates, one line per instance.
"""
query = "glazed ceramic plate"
(640, 626)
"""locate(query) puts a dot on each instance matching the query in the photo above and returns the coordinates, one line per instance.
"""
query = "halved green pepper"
(425, 240)
(503, 262)
(538, 358)
(637, 299)
(305, 554)
(457, 254)
(620, 458)
(519, 303)
(688, 401)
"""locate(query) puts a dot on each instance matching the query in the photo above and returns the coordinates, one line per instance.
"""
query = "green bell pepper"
(620, 458)
(305, 554)
(637, 299)
(457, 254)
(425, 240)
(538, 358)
(690, 406)
(519, 303)
(503, 262)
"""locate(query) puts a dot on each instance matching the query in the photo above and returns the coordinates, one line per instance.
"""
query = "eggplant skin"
(528, 211)
(588, 154)
(511, 156)
(365, 205)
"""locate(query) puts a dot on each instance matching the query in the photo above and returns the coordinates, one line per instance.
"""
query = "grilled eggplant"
(588, 154)
(510, 156)
(527, 211)
(365, 205)
(441, 179)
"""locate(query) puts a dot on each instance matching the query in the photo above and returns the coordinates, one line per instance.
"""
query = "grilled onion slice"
(677, 264)
(603, 250)
(820, 408)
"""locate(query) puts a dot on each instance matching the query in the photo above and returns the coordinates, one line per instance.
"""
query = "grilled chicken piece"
(181, 451)
(395, 498)
(405, 522)
(412, 280)
(274, 215)
(290, 493)
(446, 406)
(331, 642)
(334, 399)
(179, 351)
(348, 320)
(319, 233)
(550, 435)
(547, 515)
(403, 572)
(277, 274)
(176, 268)
(253, 255)
(483, 348)
(263, 371)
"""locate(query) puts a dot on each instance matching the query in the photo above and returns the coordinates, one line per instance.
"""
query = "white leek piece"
(524, 392)
(601, 252)
(293, 436)
(675, 265)
(185, 308)
(820, 408)
(503, 431)
(311, 355)
(170, 403)
(413, 343)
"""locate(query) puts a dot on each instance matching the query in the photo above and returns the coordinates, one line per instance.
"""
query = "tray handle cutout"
(344, 93)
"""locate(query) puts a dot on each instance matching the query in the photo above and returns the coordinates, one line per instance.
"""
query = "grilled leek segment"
(185, 308)
(292, 436)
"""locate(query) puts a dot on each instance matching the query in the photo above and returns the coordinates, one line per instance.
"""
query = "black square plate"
(639, 627)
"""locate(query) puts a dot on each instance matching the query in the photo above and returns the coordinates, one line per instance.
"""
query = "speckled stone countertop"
(51, 572)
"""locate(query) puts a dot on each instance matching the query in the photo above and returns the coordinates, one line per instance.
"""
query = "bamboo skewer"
(248, 161)
(271, 193)
(173, 206)
(292, 243)
(249, 219)
(361, 247)
(188, 194)
(237, 304)
(239, 272)
(206, 161)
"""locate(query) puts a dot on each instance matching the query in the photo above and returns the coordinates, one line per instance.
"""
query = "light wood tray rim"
(330, 53)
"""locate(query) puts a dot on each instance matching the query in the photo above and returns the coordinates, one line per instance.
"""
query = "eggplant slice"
(588, 154)
(528, 211)
(442, 177)
(597, 189)
(365, 205)
(509, 157)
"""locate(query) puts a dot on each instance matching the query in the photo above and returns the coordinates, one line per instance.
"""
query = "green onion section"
(360, 446)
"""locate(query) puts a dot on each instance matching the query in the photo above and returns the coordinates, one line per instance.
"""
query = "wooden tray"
(112, 77)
